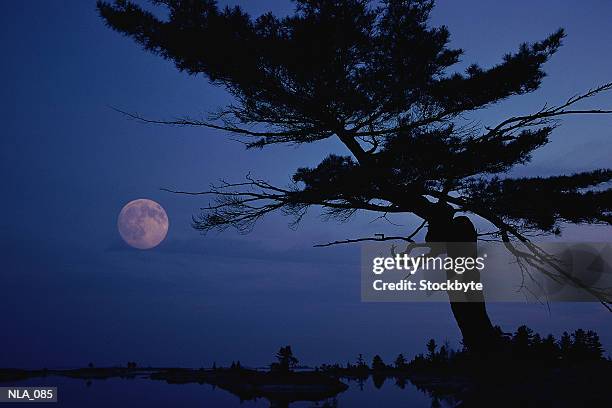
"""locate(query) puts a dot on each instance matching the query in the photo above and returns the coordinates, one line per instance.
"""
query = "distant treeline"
(515, 348)
(519, 347)
(522, 346)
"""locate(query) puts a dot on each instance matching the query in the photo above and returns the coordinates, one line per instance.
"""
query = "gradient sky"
(71, 292)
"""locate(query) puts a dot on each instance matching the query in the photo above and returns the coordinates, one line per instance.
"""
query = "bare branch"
(241, 205)
(350, 241)
(545, 114)
(199, 123)
(378, 237)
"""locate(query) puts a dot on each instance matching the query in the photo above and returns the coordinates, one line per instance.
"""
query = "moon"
(143, 223)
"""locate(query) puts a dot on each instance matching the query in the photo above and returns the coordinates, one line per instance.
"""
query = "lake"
(116, 392)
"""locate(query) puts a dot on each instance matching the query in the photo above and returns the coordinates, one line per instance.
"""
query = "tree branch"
(545, 114)
(378, 237)
(198, 123)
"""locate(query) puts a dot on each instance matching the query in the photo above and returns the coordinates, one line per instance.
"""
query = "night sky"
(72, 292)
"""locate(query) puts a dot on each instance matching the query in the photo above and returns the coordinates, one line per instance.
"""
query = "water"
(137, 392)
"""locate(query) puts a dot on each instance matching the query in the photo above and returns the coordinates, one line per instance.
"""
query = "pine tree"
(378, 364)
(443, 353)
(522, 341)
(594, 346)
(549, 350)
(379, 79)
(565, 346)
(361, 362)
(431, 349)
(400, 362)
(579, 350)
(286, 360)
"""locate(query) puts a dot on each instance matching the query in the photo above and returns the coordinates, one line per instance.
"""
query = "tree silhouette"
(400, 362)
(548, 349)
(431, 349)
(585, 346)
(565, 344)
(378, 364)
(443, 353)
(580, 348)
(286, 360)
(522, 340)
(594, 346)
(377, 77)
(361, 364)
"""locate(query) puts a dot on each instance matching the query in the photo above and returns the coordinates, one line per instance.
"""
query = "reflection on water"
(115, 393)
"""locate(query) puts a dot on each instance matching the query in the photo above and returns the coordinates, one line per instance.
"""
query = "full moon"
(143, 223)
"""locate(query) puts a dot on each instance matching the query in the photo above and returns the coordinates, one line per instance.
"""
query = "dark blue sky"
(71, 292)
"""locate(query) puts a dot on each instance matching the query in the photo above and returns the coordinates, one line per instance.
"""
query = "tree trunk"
(469, 310)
